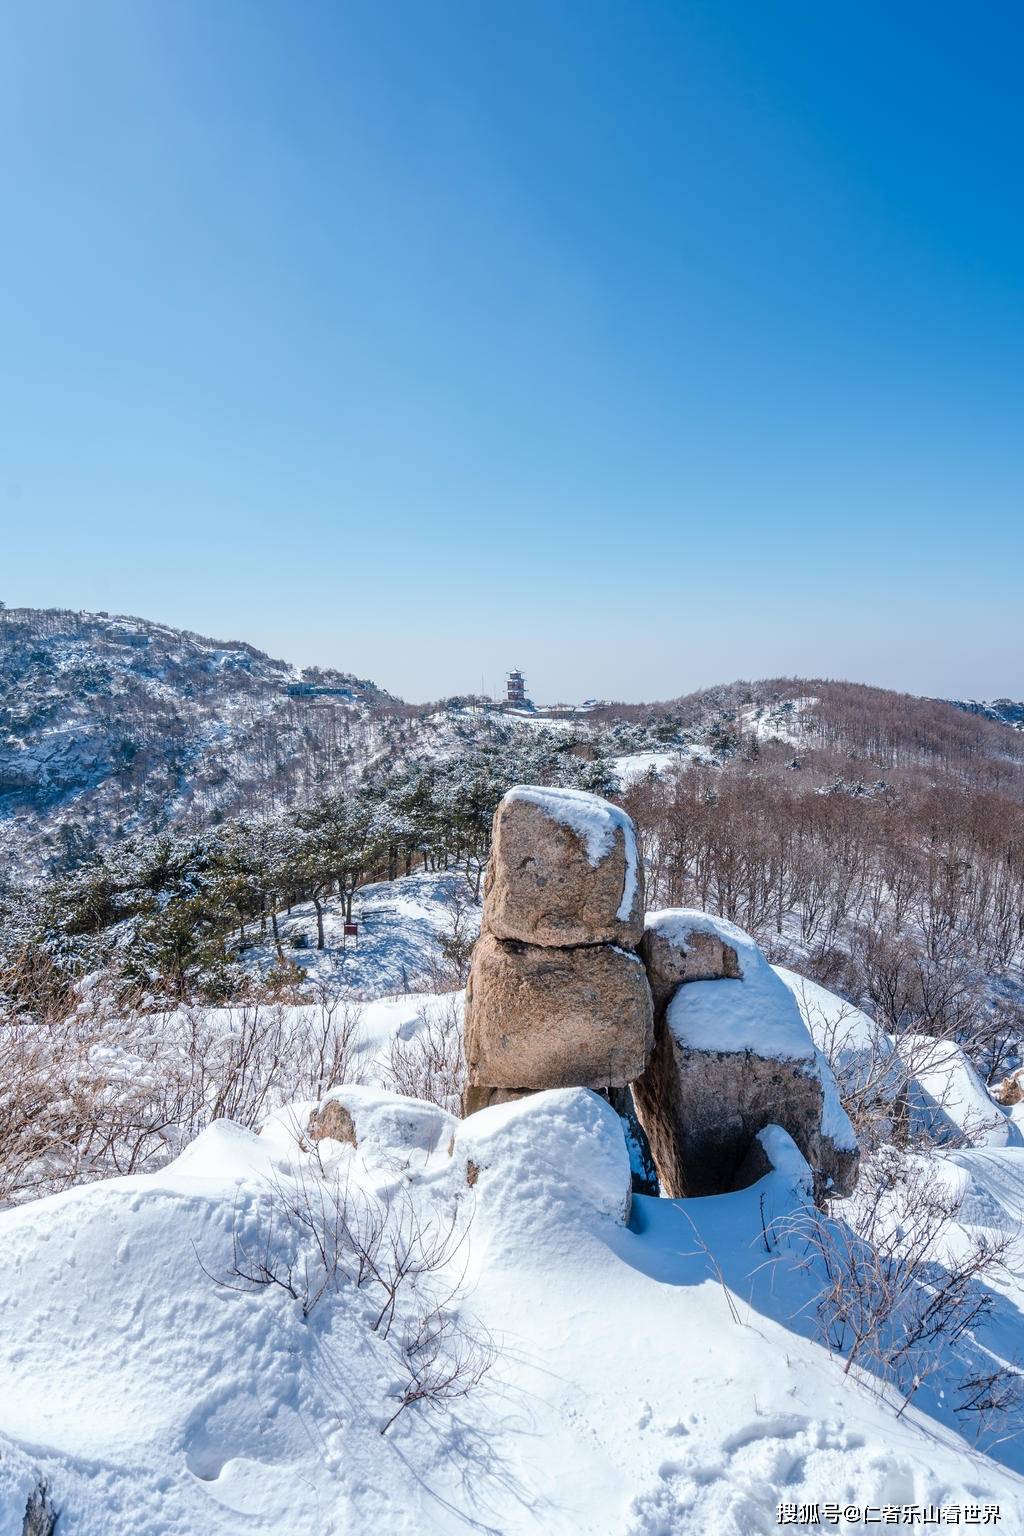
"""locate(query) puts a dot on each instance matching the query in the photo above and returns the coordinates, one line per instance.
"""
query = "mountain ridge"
(111, 723)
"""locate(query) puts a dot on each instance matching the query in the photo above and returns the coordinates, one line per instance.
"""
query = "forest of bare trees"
(908, 899)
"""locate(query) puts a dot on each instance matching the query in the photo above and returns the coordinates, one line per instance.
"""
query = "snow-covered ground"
(651, 1377)
(637, 765)
(401, 923)
(655, 1367)
(776, 722)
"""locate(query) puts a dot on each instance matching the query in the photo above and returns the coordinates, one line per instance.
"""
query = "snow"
(650, 1378)
(400, 925)
(522, 1151)
(781, 721)
(948, 1096)
(596, 822)
(754, 1013)
(786, 1158)
(388, 1126)
(836, 1025)
(835, 1122)
(637, 765)
(862, 1057)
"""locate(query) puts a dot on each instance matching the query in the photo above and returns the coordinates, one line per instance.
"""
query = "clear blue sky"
(644, 345)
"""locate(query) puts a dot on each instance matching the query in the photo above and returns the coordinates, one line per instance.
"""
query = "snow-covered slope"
(109, 722)
(1006, 711)
(400, 922)
(653, 1374)
(650, 1378)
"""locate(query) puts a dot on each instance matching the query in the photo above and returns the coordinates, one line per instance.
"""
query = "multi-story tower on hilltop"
(516, 689)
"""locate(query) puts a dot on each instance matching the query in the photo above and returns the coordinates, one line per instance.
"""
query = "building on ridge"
(515, 689)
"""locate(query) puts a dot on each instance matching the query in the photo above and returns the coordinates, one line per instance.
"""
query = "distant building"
(316, 691)
(516, 689)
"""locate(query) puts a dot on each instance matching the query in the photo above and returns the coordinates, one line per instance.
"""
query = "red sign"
(351, 930)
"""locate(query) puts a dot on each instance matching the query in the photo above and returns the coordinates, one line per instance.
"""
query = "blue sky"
(643, 345)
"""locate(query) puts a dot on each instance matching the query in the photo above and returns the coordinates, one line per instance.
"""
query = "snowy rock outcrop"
(563, 871)
(732, 1055)
(556, 997)
(712, 1040)
(553, 1018)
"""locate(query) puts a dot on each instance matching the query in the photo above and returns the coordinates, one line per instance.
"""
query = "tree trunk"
(277, 936)
(319, 923)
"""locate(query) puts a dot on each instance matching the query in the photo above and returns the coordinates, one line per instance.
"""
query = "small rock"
(332, 1120)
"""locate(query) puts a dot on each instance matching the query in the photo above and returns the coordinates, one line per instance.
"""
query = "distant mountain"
(110, 722)
(1007, 711)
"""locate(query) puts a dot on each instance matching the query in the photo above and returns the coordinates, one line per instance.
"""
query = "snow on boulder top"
(595, 822)
(676, 924)
(563, 871)
(548, 1160)
(389, 1124)
(949, 1098)
(755, 1012)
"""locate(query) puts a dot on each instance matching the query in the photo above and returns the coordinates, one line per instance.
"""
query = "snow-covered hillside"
(650, 1374)
(1006, 711)
(111, 723)
(401, 928)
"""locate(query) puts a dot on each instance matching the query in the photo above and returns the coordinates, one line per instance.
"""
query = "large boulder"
(481, 1096)
(563, 870)
(702, 1109)
(538, 1017)
(731, 1055)
(684, 945)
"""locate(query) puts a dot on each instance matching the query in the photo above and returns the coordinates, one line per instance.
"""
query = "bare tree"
(317, 1234)
(901, 1302)
(430, 1064)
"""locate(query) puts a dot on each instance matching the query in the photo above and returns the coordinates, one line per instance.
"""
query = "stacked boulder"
(557, 996)
(732, 1055)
